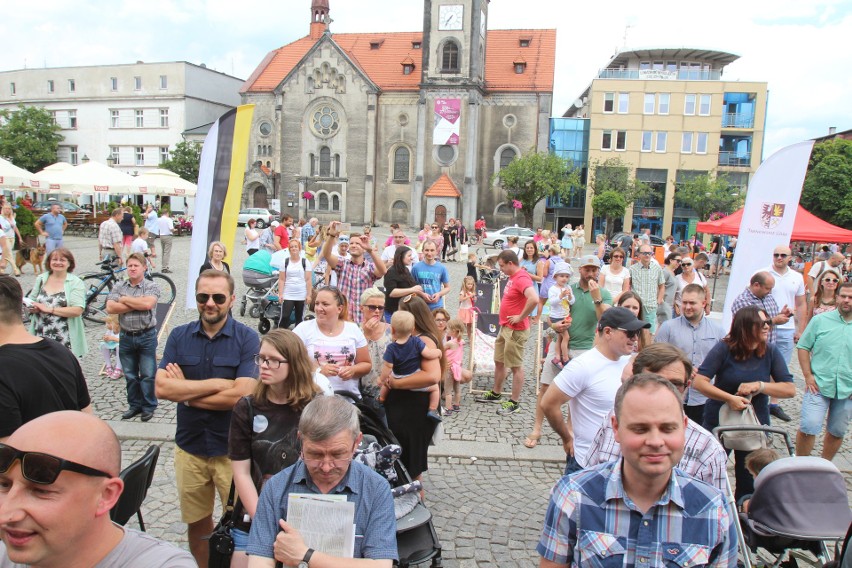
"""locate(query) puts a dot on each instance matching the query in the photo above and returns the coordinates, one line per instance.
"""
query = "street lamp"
(110, 161)
(85, 159)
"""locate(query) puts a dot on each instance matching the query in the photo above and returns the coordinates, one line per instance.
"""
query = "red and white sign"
(447, 122)
(102, 188)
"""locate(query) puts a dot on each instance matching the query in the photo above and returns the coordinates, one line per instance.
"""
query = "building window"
(53, 116)
(606, 141)
(72, 86)
(524, 42)
(323, 202)
(663, 103)
(701, 143)
(337, 165)
(686, 143)
(401, 164)
(73, 160)
(661, 141)
(312, 164)
(72, 119)
(649, 103)
(647, 137)
(325, 162)
(335, 202)
(140, 118)
(704, 105)
(689, 105)
(164, 118)
(164, 154)
(506, 157)
(113, 83)
(113, 119)
(164, 82)
(325, 121)
(416, 45)
(609, 102)
(137, 83)
(140, 156)
(519, 68)
(113, 150)
(407, 68)
(450, 57)
(623, 103)
(621, 140)
(50, 85)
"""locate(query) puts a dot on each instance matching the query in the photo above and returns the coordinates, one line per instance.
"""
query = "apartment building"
(670, 116)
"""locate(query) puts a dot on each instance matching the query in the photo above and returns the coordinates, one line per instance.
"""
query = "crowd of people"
(629, 347)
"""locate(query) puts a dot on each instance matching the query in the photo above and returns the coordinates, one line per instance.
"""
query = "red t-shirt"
(513, 301)
(284, 235)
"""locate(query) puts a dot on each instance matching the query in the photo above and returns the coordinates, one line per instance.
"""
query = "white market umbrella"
(91, 178)
(164, 182)
(13, 177)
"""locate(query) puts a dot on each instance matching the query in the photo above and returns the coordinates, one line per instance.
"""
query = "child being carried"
(561, 298)
(402, 358)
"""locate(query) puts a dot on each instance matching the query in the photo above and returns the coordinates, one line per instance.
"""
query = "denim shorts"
(814, 408)
(240, 539)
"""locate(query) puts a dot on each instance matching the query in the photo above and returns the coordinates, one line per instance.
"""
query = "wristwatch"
(597, 302)
(306, 559)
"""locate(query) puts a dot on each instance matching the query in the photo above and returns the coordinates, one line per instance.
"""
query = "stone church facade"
(346, 126)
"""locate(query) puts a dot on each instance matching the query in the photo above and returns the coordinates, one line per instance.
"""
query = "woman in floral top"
(59, 298)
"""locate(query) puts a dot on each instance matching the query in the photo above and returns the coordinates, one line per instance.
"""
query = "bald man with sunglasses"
(207, 366)
(59, 479)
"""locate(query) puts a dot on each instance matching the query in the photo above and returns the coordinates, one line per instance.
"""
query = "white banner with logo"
(768, 216)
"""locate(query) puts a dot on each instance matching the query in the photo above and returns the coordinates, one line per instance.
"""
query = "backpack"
(287, 263)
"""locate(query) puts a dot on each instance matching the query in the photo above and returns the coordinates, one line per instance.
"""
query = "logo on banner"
(771, 214)
(447, 123)
(492, 328)
(102, 188)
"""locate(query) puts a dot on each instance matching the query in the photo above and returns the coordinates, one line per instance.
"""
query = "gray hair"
(371, 293)
(327, 416)
(644, 380)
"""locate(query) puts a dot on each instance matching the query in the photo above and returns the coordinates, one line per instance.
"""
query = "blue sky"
(799, 48)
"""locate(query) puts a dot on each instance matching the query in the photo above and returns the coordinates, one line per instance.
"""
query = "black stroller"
(416, 539)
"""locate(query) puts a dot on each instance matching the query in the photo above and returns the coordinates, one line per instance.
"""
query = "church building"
(406, 127)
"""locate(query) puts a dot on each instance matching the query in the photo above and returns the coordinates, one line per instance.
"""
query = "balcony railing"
(651, 74)
(737, 120)
(735, 159)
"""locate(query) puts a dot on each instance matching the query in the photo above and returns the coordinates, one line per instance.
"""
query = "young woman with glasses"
(262, 439)
(825, 297)
(745, 369)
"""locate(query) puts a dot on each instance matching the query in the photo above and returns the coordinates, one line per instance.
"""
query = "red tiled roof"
(384, 65)
(443, 187)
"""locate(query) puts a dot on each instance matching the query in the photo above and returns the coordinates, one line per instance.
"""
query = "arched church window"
(450, 57)
(325, 162)
(323, 202)
(401, 161)
(506, 157)
(335, 202)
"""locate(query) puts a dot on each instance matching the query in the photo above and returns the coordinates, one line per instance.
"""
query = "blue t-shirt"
(405, 357)
(729, 374)
(228, 355)
(431, 277)
(53, 226)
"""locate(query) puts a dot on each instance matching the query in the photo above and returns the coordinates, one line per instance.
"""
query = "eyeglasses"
(679, 385)
(440, 320)
(685, 263)
(676, 260)
(315, 460)
(830, 280)
(779, 255)
(375, 308)
(631, 334)
(271, 363)
(765, 323)
(434, 226)
(646, 253)
(43, 468)
(219, 299)
(617, 256)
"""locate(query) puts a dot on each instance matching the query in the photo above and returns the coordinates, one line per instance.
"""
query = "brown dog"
(34, 256)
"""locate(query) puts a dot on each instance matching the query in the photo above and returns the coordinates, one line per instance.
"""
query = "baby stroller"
(270, 313)
(416, 539)
(260, 279)
(799, 505)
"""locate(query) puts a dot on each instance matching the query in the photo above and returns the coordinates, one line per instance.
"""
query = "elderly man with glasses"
(60, 478)
(207, 366)
(649, 282)
(330, 433)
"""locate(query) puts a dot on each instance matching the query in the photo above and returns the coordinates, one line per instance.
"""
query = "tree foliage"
(706, 194)
(612, 190)
(29, 137)
(827, 192)
(184, 160)
(536, 176)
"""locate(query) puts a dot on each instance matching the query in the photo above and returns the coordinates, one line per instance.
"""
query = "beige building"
(398, 126)
(670, 115)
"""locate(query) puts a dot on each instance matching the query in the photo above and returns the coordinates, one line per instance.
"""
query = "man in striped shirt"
(355, 274)
(703, 457)
(640, 510)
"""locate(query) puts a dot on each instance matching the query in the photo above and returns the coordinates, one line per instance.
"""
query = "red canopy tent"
(808, 227)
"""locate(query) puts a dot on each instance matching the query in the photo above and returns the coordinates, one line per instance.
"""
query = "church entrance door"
(440, 215)
(260, 198)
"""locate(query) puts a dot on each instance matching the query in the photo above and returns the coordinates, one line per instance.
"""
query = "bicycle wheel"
(98, 288)
(168, 290)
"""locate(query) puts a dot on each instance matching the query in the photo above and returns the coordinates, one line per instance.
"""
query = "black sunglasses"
(632, 334)
(219, 299)
(42, 468)
(779, 255)
(375, 308)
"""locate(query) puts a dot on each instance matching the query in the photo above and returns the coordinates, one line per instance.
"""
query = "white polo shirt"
(788, 286)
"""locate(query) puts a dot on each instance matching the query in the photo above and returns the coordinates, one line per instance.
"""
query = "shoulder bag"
(747, 440)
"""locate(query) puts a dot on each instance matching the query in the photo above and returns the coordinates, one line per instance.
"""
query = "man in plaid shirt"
(703, 457)
(110, 237)
(759, 293)
(356, 274)
(639, 510)
(649, 282)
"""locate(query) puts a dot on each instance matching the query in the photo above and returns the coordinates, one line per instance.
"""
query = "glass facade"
(569, 139)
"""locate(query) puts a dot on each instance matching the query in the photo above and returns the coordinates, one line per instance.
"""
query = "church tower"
(454, 35)
(319, 18)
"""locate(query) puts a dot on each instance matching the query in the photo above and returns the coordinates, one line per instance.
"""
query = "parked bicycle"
(99, 285)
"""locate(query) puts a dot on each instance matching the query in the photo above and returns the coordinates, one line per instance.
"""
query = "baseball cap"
(621, 318)
(563, 268)
(344, 238)
(274, 224)
(590, 260)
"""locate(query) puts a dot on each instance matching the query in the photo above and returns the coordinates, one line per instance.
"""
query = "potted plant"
(26, 225)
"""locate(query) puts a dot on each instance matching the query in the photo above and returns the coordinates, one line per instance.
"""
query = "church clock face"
(450, 17)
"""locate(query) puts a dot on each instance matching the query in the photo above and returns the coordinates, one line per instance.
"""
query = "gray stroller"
(799, 503)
